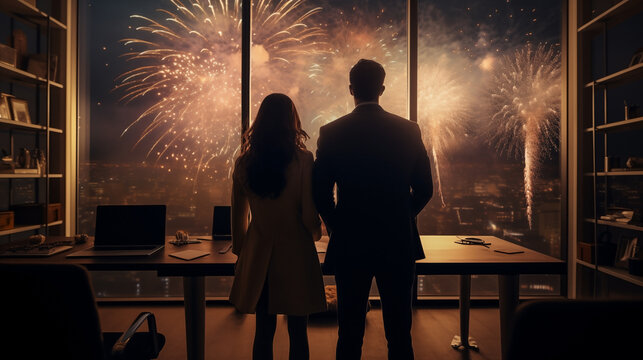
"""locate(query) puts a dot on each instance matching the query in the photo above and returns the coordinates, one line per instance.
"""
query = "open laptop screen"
(122, 225)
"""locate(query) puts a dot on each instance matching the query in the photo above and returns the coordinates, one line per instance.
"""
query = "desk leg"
(508, 289)
(194, 297)
(463, 341)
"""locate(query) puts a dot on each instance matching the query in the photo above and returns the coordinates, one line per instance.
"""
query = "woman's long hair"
(270, 143)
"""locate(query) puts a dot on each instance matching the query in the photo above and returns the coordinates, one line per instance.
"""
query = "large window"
(489, 105)
(160, 108)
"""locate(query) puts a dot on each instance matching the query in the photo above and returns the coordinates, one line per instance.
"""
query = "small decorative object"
(4, 107)
(20, 110)
(81, 238)
(618, 214)
(182, 238)
(54, 212)
(39, 160)
(6, 220)
(8, 55)
(24, 159)
(637, 58)
(37, 65)
(19, 42)
(37, 239)
(634, 163)
(330, 292)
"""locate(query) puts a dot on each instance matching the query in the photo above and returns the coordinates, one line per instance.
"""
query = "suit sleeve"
(324, 181)
(240, 210)
(309, 214)
(421, 179)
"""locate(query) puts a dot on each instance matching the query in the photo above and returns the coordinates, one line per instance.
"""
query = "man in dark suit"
(383, 176)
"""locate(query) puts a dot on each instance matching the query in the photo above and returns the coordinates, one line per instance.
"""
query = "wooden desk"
(444, 256)
(193, 273)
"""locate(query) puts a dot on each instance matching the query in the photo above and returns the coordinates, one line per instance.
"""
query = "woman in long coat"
(274, 226)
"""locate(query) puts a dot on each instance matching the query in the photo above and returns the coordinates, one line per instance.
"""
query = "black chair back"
(48, 312)
(577, 329)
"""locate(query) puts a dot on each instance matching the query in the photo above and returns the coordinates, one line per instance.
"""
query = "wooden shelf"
(12, 124)
(630, 124)
(21, 229)
(30, 176)
(31, 13)
(617, 173)
(628, 74)
(14, 73)
(612, 16)
(621, 274)
(586, 264)
(616, 224)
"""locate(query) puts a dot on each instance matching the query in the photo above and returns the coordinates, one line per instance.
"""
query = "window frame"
(72, 168)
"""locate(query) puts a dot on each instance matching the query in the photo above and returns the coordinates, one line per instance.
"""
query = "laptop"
(221, 228)
(127, 230)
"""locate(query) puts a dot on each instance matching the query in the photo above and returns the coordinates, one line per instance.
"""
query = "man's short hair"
(367, 78)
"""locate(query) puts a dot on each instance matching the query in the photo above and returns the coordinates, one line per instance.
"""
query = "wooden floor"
(229, 334)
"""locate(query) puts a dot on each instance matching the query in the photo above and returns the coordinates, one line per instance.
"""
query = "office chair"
(48, 311)
(577, 329)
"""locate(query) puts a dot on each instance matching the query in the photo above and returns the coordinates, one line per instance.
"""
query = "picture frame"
(20, 110)
(5, 113)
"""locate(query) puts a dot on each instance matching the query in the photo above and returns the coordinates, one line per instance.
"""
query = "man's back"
(375, 158)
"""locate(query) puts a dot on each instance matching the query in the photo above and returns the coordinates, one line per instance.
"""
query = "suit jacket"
(382, 172)
(277, 245)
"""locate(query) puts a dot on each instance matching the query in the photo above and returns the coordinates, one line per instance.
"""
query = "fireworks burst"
(188, 68)
(356, 38)
(444, 105)
(526, 109)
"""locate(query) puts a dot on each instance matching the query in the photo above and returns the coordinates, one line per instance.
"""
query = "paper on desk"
(189, 254)
(509, 251)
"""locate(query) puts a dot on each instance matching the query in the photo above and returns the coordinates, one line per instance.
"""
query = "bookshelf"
(45, 31)
(606, 76)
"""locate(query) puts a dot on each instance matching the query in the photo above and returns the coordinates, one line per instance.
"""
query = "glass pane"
(489, 109)
(159, 109)
(324, 39)
(160, 113)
